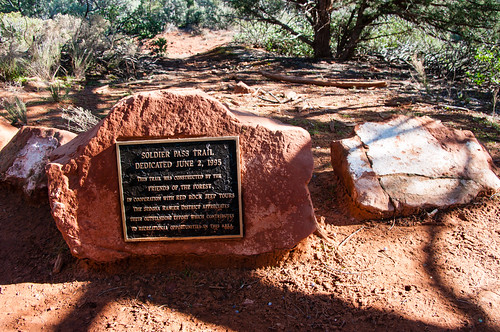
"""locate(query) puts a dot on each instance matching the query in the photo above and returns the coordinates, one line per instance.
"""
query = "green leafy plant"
(16, 112)
(486, 71)
(59, 90)
(273, 39)
(159, 47)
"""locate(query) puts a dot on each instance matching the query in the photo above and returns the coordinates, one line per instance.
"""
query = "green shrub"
(94, 45)
(485, 71)
(33, 46)
(59, 90)
(159, 46)
(16, 112)
(273, 39)
(17, 35)
(442, 55)
(45, 51)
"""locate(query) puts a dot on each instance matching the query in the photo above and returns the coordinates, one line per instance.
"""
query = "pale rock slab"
(23, 159)
(276, 166)
(407, 164)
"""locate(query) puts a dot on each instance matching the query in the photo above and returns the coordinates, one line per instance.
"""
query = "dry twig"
(347, 238)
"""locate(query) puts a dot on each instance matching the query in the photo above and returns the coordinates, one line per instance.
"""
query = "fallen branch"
(456, 108)
(337, 84)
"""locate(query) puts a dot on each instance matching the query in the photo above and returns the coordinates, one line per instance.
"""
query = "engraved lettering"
(152, 228)
(151, 208)
(179, 227)
(147, 199)
(153, 164)
(157, 218)
(226, 195)
(203, 153)
(214, 162)
(158, 188)
(202, 186)
(181, 216)
(191, 207)
(189, 177)
(220, 216)
(175, 189)
(185, 163)
(170, 207)
(181, 153)
(215, 206)
(155, 154)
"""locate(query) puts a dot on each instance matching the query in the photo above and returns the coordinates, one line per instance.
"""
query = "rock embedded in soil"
(6, 133)
(23, 159)
(276, 166)
(404, 165)
(243, 88)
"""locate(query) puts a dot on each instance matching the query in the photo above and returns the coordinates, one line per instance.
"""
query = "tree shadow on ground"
(231, 297)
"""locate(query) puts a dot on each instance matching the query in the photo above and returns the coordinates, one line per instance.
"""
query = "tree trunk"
(321, 16)
(346, 49)
(351, 36)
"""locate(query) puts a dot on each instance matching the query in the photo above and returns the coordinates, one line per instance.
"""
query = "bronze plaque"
(180, 189)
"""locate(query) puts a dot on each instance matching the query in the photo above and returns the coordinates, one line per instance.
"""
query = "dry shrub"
(37, 47)
(79, 119)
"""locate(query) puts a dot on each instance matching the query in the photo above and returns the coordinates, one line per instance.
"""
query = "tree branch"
(273, 20)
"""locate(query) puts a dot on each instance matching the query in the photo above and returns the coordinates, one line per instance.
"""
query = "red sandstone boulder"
(276, 166)
(404, 165)
(23, 159)
(6, 133)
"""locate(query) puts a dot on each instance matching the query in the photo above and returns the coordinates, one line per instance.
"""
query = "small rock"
(243, 88)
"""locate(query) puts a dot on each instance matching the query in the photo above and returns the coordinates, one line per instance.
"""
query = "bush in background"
(64, 45)
(273, 39)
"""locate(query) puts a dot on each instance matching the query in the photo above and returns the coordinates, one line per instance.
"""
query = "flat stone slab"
(275, 160)
(23, 159)
(404, 165)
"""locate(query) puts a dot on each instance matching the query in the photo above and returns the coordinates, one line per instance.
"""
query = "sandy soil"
(429, 272)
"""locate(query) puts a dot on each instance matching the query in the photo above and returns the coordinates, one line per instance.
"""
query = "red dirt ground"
(430, 272)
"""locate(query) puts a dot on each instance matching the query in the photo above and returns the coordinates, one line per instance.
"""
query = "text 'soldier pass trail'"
(180, 189)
